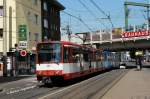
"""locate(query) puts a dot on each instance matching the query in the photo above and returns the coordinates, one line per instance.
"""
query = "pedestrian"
(140, 62)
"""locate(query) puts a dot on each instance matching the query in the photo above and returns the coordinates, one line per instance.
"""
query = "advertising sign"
(134, 34)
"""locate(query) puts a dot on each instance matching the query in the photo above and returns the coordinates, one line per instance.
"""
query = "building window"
(29, 16)
(36, 37)
(45, 23)
(52, 10)
(45, 34)
(35, 18)
(1, 10)
(45, 6)
(35, 2)
(1, 33)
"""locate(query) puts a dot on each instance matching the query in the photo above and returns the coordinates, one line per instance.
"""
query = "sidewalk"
(134, 85)
(10, 78)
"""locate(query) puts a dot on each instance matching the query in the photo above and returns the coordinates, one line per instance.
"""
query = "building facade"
(51, 19)
(26, 22)
(21, 23)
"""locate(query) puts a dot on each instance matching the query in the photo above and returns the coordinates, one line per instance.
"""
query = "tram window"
(86, 57)
(75, 55)
(66, 55)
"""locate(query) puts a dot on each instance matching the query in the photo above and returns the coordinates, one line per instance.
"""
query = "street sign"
(138, 53)
(23, 44)
(23, 53)
(22, 32)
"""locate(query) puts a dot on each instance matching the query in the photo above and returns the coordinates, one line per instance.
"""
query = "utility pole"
(134, 4)
(148, 19)
(148, 23)
(4, 39)
(126, 16)
(68, 32)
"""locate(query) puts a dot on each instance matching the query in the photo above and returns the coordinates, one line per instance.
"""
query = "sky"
(95, 19)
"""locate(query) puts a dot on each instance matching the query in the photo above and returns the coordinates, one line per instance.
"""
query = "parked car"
(122, 65)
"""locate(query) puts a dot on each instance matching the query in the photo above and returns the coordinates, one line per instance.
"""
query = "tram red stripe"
(66, 75)
(79, 74)
(49, 72)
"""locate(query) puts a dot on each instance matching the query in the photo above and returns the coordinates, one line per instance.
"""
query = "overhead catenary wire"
(78, 18)
(90, 12)
(108, 16)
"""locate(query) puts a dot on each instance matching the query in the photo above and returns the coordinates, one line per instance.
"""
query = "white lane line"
(20, 90)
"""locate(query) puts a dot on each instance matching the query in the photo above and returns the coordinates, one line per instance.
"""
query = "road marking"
(19, 90)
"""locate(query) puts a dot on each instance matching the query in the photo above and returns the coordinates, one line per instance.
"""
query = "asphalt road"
(91, 88)
(27, 88)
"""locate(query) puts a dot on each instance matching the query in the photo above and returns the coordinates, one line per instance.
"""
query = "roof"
(71, 43)
(55, 2)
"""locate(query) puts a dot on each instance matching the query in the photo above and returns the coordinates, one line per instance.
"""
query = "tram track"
(86, 89)
(87, 86)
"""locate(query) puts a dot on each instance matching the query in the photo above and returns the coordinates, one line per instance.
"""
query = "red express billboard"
(135, 34)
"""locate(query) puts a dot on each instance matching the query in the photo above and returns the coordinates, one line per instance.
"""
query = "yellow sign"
(139, 53)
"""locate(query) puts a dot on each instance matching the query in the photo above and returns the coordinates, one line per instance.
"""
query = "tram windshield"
(49, 52)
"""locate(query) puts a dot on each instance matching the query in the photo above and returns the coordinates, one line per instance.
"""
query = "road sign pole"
(4, 39)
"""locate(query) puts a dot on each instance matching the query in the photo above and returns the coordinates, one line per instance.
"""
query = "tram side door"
(68, 59)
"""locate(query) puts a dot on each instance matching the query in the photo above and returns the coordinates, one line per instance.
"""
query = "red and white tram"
(60, 60)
